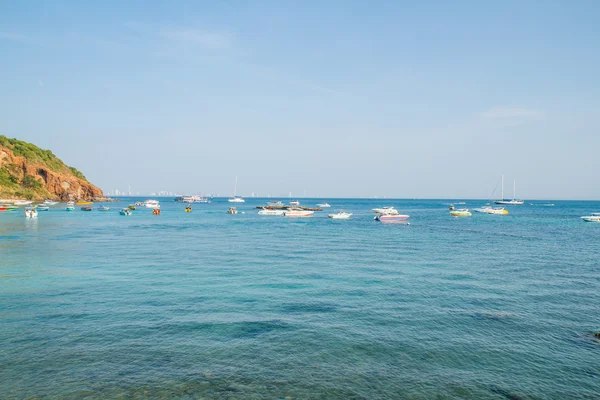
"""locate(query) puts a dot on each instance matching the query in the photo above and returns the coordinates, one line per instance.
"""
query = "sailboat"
(514, 200)
(236, 198)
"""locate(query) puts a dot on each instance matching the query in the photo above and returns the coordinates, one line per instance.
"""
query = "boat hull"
(387, 218)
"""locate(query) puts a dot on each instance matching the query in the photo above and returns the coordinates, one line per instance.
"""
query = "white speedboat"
(277, 203)
(103, 208)
(323, 205)
(297, 212)
(50, 202)
(42, 207)
(22, 202)
(497, 211)
(392, 218)
(294, 203)
(340, 215)
(266, 211)
(386, 211)
(154, 204)
(483, 209)
(70, 206)
(593, 217)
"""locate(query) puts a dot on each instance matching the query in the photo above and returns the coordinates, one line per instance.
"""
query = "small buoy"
(597, 335)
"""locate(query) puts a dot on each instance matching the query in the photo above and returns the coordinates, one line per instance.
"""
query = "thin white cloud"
(511, 112)
(16, 37)
(203, 38)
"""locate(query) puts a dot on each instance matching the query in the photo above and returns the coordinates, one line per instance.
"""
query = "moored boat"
(50, 202)
(275, 203)
(323, 205)
(497, 211)
(512, 201)
(593, 217)
(392, 218)
(266, 211)
(294, 203)
(154, 204)
(125, 211)
(297, 212)
(86, 208)
(70, 206)
(340, 215)
(462, 212)
(103, 208)
(236, 198)
(23, 202)
(386, 211)
(42, 207)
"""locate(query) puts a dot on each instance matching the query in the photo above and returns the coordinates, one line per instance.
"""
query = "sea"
(208, 305)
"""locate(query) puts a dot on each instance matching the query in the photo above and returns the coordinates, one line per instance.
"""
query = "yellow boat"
(188, 209)
(84, 203)
(461, 213)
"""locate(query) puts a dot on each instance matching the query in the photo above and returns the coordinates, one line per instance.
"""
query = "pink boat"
(388, 218)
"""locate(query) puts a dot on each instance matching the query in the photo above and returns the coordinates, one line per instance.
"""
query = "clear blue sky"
(341, 98)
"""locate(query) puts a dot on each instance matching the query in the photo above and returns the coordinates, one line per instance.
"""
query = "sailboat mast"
(502, 198)
(514, 189)
(235, 188)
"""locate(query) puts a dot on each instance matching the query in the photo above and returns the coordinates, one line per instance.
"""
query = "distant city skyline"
(341, 99)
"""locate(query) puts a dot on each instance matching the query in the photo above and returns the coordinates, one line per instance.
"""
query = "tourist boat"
(462, 212)
(386, 211)
(86, 208)
(513, 201)
(30, 213)
(125, 211)
(294, 203)
(497, 211)
(232, 210)
(154, 204)
(392, 218)
(103, 208)
(42, 207)
(266, 211)
(275, 204)
(297, 212)
(23, 202)
(340, 215)
(593, 217)
(84, 203)
(188, 209)
(236, 198)
(50, 202)
(323, 205)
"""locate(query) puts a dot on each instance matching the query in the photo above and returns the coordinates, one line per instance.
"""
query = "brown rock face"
(57, 185)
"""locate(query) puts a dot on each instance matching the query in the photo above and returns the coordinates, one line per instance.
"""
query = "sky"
(406, 99)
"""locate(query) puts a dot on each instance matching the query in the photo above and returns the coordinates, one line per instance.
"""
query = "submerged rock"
(597, 335)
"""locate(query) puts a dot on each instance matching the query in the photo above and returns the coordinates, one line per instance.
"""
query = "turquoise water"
(210, 305)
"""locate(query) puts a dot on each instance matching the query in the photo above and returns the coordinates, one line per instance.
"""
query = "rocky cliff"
(28, 172)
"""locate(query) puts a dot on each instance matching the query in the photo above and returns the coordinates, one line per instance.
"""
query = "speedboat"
(86, 208)
(125, 211)
(462, 212)
(294, 203)
(497, 211)
(386, 211)
(232, 210)
(154, 204)
(340, 215)
(139, 203)
(297, 212)
(103, 208)
(593, 217)
(42, 207)
(267, 211)
(70, 206)
(483, 209)
(23, 202)
(392, 218)
(30, 213)
(323, 205)
(275, 204)
(50, 202)
(236, 199)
